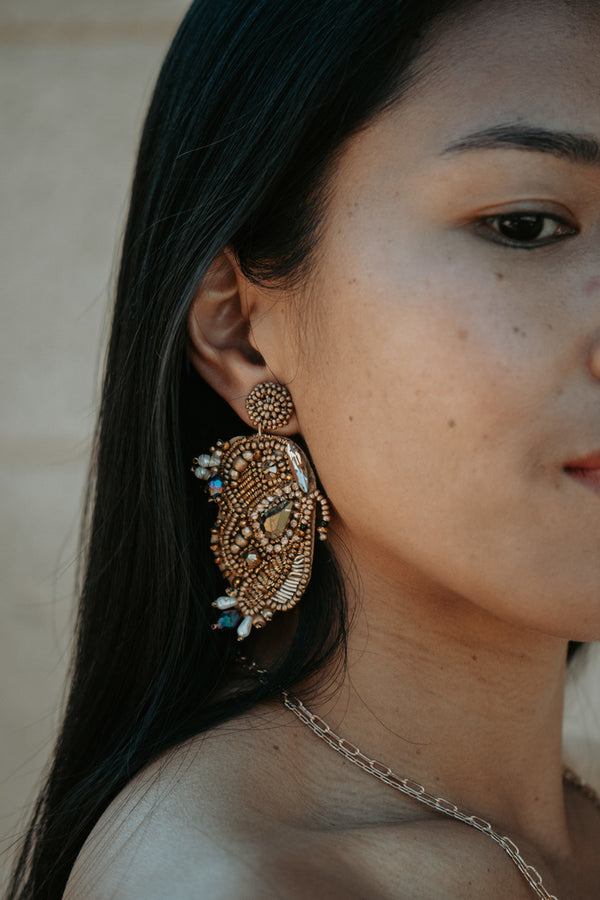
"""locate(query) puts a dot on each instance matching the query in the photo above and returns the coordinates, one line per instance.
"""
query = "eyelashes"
(525, 230)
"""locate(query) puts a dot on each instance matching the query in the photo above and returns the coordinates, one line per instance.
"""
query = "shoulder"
(208, 820)
(231, 816)
(134, 855)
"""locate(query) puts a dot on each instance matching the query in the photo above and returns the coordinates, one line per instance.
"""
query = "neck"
(465, 703)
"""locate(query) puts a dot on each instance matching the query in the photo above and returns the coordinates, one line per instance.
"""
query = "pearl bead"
(244, 628)
(225, 602)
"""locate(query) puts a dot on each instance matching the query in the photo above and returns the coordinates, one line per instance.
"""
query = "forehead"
(535, 64)
(498, 60)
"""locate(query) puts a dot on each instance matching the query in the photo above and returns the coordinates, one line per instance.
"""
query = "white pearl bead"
(225, 602)
(207, 460)
(244, 628)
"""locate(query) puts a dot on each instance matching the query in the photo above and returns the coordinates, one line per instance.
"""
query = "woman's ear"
(221, 348)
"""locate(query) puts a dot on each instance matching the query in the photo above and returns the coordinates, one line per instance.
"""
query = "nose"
(594, 358)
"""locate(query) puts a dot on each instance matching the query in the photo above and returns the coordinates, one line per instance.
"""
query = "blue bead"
(229, 619)
(215, 485)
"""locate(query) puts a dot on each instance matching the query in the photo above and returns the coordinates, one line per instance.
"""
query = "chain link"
(413, 789)
(417, 791)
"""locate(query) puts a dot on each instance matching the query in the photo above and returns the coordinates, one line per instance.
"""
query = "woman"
(392, 208)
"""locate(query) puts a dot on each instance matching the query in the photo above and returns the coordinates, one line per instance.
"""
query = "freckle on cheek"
(463, 334)
(451, 423)
(499, 275)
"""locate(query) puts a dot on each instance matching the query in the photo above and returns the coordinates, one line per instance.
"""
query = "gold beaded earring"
(263, 537)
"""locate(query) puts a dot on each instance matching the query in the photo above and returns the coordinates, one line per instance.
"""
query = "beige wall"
(74, 79)
(75, 76)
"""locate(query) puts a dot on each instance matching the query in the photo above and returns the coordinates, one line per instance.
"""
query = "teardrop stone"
(297, 467)
(275, 520)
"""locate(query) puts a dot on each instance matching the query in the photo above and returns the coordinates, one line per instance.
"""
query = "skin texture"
(442, 378)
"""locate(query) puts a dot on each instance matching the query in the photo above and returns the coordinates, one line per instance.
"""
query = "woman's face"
(451, 359)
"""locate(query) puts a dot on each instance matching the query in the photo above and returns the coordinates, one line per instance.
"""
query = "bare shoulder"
(232, 816)
(208, 820)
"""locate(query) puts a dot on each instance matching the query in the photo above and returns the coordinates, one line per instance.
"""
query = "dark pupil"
(522, 228)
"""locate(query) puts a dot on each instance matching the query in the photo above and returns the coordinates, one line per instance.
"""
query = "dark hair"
(253, 101)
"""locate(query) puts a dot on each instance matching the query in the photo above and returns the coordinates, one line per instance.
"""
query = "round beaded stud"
(269, 406)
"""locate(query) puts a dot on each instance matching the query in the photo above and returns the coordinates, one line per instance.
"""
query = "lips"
(585, 470)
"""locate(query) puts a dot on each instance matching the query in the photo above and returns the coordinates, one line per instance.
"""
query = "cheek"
(433, 447)
(423, 422)
(414, 385)
(390, 413)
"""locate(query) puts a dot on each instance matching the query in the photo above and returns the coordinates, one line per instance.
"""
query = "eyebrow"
(577, 148)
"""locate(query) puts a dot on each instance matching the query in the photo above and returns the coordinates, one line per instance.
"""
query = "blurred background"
(75, 78)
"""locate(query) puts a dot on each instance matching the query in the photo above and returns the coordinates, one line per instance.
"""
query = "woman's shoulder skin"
(207, 820)
(231, 816)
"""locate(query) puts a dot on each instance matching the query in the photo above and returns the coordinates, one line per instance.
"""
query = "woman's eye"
(524, 229)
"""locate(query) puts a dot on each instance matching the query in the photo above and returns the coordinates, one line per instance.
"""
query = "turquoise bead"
(229, 619)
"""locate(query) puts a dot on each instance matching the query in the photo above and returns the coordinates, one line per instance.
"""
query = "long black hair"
(253, 102)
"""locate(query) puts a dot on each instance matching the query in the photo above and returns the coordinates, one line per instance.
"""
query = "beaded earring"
(263, 537)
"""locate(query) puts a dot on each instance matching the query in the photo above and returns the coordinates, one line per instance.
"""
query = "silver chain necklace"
(417, 791)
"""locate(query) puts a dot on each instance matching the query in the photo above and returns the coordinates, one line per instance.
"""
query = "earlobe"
(219, 330)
